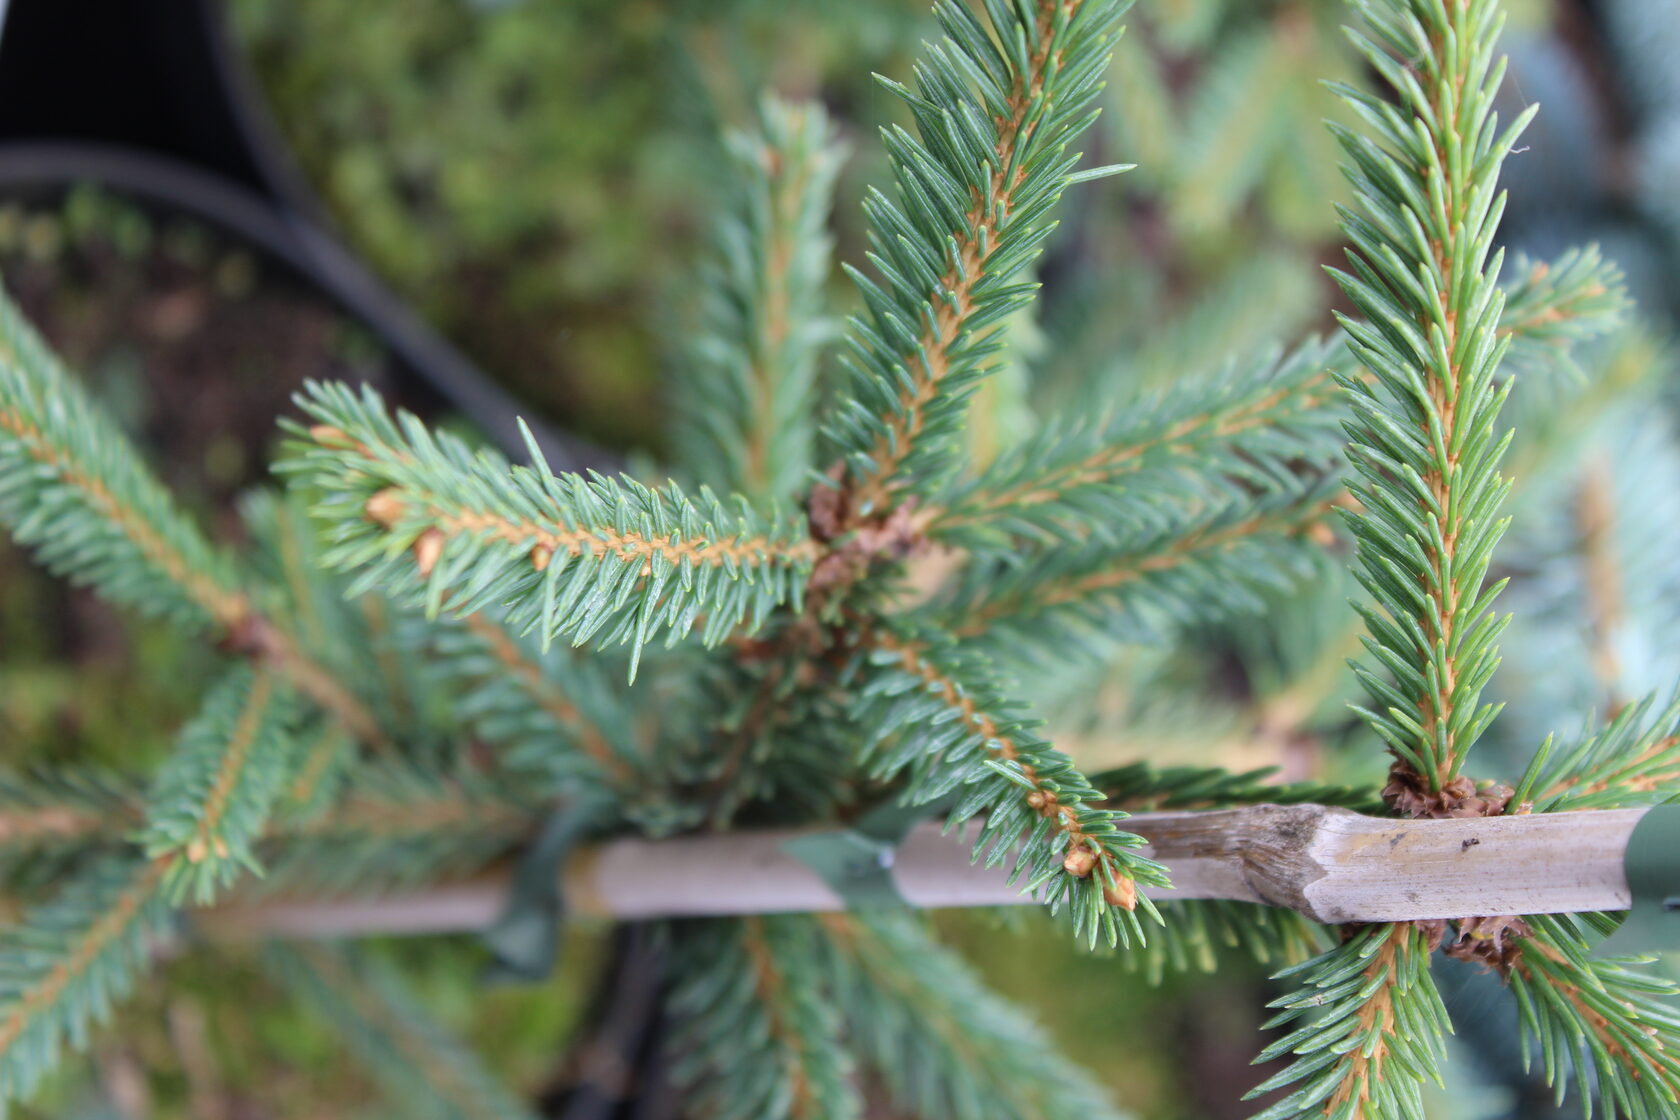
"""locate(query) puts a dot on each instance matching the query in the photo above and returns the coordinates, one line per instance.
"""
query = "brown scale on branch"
(1492, 942)
(852, 546)
(1408, 793)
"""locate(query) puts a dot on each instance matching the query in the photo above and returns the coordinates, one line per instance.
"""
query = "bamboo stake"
(1329, 864)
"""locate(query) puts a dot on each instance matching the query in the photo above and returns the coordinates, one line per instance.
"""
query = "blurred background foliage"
(534, 176)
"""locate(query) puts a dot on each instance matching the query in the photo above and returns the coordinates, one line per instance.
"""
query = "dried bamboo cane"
(1329, 864)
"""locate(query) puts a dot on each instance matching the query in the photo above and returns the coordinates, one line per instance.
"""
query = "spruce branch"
(285, 553)
(1594, 536)
(756, 1034)
(1250, 431)
(325, 756)
(1143, 787)
(995, 109)
(54, 821)
(937, 716)
(1370, 1034)
(1201, 565)
(776, 738)
(744, 398)
(381, 826)
(553, 713)
(1597, 593)
(422, 1065)
(1589, 1014)
(73, 491)
(1197, 934)
(1233, 134)
(1558, 422)
(431, 521)
(1602, 577)
(1553, 306)
(211, 802)
(1424, 439)
(1125, 524)
(942, 1044)
(318, 636)
(272, 645)
(395, 825)
(70, 959)
(1633, 760)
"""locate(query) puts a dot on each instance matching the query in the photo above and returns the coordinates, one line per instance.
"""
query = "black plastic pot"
(148, 100)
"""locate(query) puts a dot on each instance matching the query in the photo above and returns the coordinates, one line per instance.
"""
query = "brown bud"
(329, 436)
(427, 550)
(1459, 788)
(540, 556)
(1491, 942)
(1122, 894)
(826, 507)
(1434, 932)
(197, 850)
(250, 635)
(1497, 795)
(1036, 799)
(1079, 862)
(385, 507)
